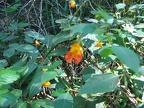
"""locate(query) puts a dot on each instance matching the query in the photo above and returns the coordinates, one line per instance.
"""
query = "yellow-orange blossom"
(72, 4)
(47, 83)
(76, 53)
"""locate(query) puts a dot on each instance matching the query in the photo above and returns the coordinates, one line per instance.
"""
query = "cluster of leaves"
(35, 36)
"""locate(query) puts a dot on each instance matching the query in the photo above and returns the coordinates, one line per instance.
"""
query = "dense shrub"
(71, 54)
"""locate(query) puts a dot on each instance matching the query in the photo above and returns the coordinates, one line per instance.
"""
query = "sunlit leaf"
(105, 51)
(58, 92)
(49, 75)
(27, 48)
(99, 84)
(84, 28)
(141, 70)
(128, 57)
(8, 76)
(35, 86)
(120, 6)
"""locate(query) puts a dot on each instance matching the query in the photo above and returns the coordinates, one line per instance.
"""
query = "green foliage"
(64, 100)
(128, 57)
(99, 84)
(111, 71)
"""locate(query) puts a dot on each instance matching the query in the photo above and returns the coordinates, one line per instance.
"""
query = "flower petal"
(47, 83)
(78, 59)
(76, 49)
(68, 57)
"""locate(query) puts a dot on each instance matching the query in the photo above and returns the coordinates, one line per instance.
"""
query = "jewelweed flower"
(72, 4)
(37, 43)
(44, 69)
(99, 44)
(47, 83)
(75, 52)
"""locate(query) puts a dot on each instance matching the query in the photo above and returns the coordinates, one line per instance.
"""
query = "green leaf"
(49, 39)
(65, 100)
(108, 18)
(14, 45)
(90, 42)
(84, 28)
(21, 105)
(128, 57)
(88, 72)
(90, 104)
(14, 26)
(62, 21)
(3, 91)
(7, 99)
(19, 65)
(16, 92)
(120, 6)
(35, 35)
(42, 103)
(61, 72)
(59, 52)
(9, 52)
(2, 35)
(79, 102)
(56, 64)
(31, 66)
(140, 17)
(99, 84)
(139, 26)
(141, 70)
(58, 92)
(35, 86)
(29, 39)
(12, 8)
(94, 104)
(140, 33)
(23, 24)
(27, 48)
(8, 76)
(139, 82)
(105, 51)
(48, 75)
(136, 6)
(3, 62)
(62, 37)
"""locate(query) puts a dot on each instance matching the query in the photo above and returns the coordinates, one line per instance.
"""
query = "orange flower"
(72, 4)
(99, 44)
(75, 53)
(47, 83)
